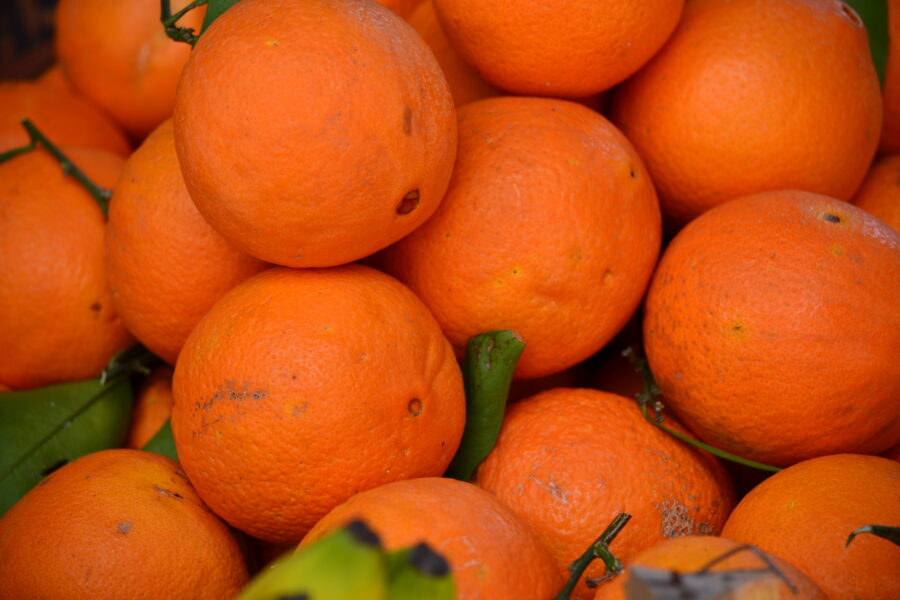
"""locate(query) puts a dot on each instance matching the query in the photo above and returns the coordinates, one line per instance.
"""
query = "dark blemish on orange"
(407, 120)
(96, 306)
(415, 407)
(175, 495)
(124, 528)
(632, 173)
(831, 218)
(181, 474)
(409, 203)
(54, 466)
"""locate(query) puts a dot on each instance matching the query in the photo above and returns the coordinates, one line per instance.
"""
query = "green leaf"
(487, 372)
(887, 532)
(214, 10)
(43, 429)
(874, 14)
(163, 442)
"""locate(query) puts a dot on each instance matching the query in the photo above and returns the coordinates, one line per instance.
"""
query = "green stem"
(173, 31)
(599, 549)
(136, 359)
(887, 532)
(652, 408)
(35, 137)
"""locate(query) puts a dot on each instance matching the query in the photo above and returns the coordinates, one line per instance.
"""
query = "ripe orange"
(804, 514)
(152, 406)
(166, 266)
(890, 131)
(492, 553)
(755, 96)
(879, 193)
(300, 388)
(66, 119)
(691, 553)
(772, 329)
(550, 227)
(117, 54)
(569, 460)
(117, 525)
(314, 132)
(58, 322)
(562, 49)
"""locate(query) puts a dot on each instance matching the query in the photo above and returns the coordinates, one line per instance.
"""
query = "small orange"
(302, 387)
(879, 193)
(117, 525)
(166, 266)
(569, 460)
(313, 133)
(493, 555)
(757, 300)
(65, 118)
(754, 96)
(805, 513)
(152, 406)
(691, 553)
(550, 227)
(118, 55)
(560, 49)
(58, 322)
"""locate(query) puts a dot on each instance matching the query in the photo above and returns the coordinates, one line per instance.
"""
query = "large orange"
(755, 96)
(117, 525)
(692, 553)
(550, 227)
(117, 54)
(58, 322)
(493, 554)
(561, 49)
(879, 193)
(568, 460)
(772, 328)
(65, 118)
(805, 513)
(302, 387)
(166, 266)
(890, 131)
(314, 132)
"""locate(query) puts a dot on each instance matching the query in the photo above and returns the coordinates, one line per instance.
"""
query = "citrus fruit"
(879, 193)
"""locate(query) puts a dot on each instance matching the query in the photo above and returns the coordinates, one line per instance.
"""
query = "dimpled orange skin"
(302, 387)
(65, 118)
(568, 460)
(691, 553)
(493, 554)
(550, 227)
(166, 266)
(333, 132)
(118, 55)
(879, 193)
(805, 513)
(562, 49)
(58, 322)
(772, 329)
(754, 96)
(117, 525)
(152, 406)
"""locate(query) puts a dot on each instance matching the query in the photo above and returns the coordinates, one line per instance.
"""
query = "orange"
(691, 553)
(772, 329)
(58, 322)
(117, 54)
(804, 514)
(466, 85)
(493, 555)
(66, 119)
(314, 132)
(562, 49)
(166, 265)
(890, 131)
(550, 227)
(754, 96)
(117, 524)
(569, 460)
(303, 387)
(152, 406)
(879, 193)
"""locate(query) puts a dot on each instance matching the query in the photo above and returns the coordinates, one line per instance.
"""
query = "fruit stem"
(599, 549)
(136, 359)
(179, 34)
(652, 408)
(887, 532)
(101, 195)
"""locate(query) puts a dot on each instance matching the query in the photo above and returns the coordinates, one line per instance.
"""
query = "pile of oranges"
(316, 207)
